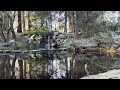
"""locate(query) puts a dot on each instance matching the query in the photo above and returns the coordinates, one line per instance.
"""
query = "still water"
(55, 65)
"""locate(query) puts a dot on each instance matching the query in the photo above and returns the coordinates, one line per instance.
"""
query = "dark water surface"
(55, 65)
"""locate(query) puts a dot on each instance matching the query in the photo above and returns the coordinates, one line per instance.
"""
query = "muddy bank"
(112, 74)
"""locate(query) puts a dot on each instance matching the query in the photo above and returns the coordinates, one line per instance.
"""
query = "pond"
(55, 65)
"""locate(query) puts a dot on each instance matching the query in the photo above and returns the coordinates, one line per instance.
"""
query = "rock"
(79, 43)
(12, 56)
(7, 51)
(34, 51)
(25, 51)
(112, 74)
(1, 51)
(16, 51)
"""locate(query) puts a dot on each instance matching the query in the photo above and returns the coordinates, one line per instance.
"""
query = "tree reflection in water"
(54, 65)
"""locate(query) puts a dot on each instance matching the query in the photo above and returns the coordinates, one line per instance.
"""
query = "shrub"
(38, 31)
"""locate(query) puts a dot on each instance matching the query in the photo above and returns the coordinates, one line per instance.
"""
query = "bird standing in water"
(86, 69)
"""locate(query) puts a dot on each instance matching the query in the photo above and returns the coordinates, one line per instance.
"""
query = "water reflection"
(55, 65)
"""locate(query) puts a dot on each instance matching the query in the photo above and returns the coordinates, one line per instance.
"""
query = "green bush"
(105, 38)
(21, 46)
(38, 31)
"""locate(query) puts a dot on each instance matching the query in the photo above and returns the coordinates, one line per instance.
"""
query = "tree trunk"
(19, 23)
(8, 67)
(25, 69)
(66, 64)
(13, 66)
(46, 23)
(73, 24)
(42, 22)
(21, 68)
(8, 31)
(11, 17)
(3, 64)
(12, 30)
(11, 27)
(70, 20)
(29, 20)
(23, 16)
(3, 28)
(30, 70)
(65, 26)
(76, 24)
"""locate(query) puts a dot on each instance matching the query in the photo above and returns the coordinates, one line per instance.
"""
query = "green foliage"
(87, 22)
(38, 31)
(21, 46)
(106, 38)
(42, 14)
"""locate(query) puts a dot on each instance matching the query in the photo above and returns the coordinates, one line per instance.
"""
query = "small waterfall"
(48, 45)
